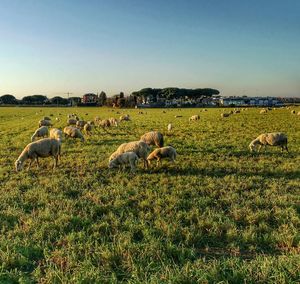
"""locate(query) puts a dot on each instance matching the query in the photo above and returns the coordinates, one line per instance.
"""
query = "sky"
(239, 47)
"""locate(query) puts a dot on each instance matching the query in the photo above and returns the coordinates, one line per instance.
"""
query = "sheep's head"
(18, 165)
(112, 164)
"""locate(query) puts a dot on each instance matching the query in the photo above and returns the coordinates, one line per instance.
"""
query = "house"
(250, 101)
(89, 98)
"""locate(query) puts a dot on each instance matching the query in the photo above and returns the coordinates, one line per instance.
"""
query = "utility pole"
(68, 93)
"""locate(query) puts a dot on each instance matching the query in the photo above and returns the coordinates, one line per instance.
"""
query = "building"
(89, 98)
(250, 101)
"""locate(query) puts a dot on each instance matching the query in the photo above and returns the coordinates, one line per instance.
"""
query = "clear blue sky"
(237, 46)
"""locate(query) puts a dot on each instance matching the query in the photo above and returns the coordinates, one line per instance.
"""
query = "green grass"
(219, 215)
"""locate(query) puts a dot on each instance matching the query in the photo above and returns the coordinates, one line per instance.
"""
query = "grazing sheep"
(46, 118)
(263, 111)
(153, 138)
(80, 123)
(113, 121)
(39, 149)
(160, 153)
(293, 112)
(56, 133)
(138, 147)
(194, 117)
(236, 111)
(43, 122)
(130, 158)
(103, 123)
(177, 116)
(125, 117)
(225, 114)
(40, 132)
(298, 113)
(88, 128)
(170, 127)
(73, 132)
(57, 119)
(71, 121)
(271, 139)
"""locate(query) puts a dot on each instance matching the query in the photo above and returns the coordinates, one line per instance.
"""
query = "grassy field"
(220, 214)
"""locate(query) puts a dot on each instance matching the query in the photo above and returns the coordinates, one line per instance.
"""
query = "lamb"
(40, 132)
(139, 147)
(44, 122)
(160, 153)
(80, 124)
(130, 158)
(194, 117)
(153, 138)
(170, 127)
(113, 121)
(56, 133)
(263, 111)
(271, 139)
(71, 121)
(73, 132)
(125, 117)
(225, 114)
(88, 128)
(39, 149)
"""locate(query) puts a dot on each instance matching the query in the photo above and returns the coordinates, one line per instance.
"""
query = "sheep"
(103, 123)
(80, 123)
(125, 117)
(138, 147)
(71, 121)
(177, 116)
(56, 133)
(160, 153)
(170, 127)
(194, 117)
(46, 118)
(153, 138)
(113, 121)
(263, 111)
(44, 122)
(237, 111)
(130, 158)
(73, 132)
(293, 112)
(298, 113)
(88, 128)
(271, 139)
(40, 132)
(225, 114)
(39, 149)
(97, 119)
(57, 118)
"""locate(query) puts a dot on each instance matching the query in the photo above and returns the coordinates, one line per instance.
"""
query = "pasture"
(219, 214)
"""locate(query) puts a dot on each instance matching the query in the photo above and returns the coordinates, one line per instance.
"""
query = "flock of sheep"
(127, 153)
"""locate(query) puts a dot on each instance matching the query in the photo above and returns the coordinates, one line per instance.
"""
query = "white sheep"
(153, 138)
(138, 147)
(71, 121)
(73, 132)
(170, 127)
(88, 128)
(225, 114)
(130, 158)
(45, 122)
(39, 149)
(40, 132)
(56, 133)
(194, 117)
(270, 139)
(125, 117)
(113, 121)
(263, 111)
(161, 153)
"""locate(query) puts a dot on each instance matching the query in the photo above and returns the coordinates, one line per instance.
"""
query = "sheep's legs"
(37, 163)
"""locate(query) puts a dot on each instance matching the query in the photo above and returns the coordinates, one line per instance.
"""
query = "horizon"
(240, 48)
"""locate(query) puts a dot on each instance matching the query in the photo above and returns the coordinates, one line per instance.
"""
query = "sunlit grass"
(219, 214)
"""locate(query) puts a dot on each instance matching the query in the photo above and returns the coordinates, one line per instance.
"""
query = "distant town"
(153, 98)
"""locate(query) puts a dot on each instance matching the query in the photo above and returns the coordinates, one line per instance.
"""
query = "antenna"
(68, 93)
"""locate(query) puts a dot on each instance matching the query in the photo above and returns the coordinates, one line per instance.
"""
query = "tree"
(59, 101)
(8, 99)
(35, 100)
(102, 98)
